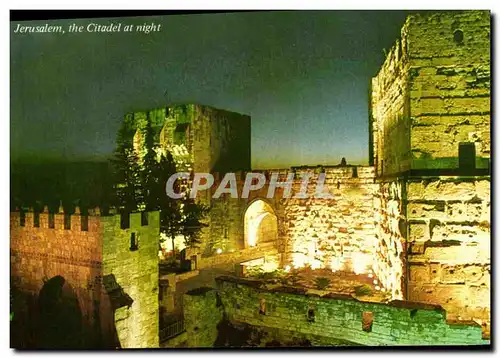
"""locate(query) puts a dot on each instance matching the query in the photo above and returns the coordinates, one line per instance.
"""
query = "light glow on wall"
(253, 227)
(361, 262)
(260, 224)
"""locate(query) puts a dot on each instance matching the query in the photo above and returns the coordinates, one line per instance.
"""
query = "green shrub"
(363, 290)
(267, 275)
(322, 283)
(259, 273)
(254, 271)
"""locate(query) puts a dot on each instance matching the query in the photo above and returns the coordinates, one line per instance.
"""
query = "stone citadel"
(413, 225)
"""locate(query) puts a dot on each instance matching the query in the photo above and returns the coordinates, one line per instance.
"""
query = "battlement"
(332, 173)
(92, 221)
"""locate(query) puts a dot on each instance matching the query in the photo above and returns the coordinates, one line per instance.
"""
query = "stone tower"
(430, 130)
(207, 139)
(201, 139)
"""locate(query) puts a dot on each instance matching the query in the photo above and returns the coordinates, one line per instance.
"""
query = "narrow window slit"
(133, 242)
(310, 315)
(367, 321)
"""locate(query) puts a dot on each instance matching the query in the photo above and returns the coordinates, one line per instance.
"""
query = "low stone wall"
(336, 317)
(236, 257)
(175, 342)
(202, 314)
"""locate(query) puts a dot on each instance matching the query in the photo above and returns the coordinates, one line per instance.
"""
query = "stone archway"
(261, 225)
(59, 316)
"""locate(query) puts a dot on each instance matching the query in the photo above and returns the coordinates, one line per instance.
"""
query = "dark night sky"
(302, 76)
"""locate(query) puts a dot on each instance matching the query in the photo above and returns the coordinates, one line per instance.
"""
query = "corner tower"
(430, 107)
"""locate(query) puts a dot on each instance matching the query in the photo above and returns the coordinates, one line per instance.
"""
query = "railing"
(172, 330)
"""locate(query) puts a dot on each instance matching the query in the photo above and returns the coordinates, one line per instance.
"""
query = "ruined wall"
(449, 55)
(390, 232)
(342, 317)
(130, 274)
(449, 238)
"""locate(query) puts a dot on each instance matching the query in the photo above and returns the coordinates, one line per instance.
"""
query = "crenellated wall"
(132, 268)
(38, 254)
(114, 282)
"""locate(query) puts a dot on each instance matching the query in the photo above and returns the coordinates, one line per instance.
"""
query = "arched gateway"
(261, 225)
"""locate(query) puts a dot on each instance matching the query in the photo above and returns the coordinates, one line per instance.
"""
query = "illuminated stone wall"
(116, 288)
(202, 314)
(449, 238)
(336, 233)
(432, 93)
(333, 318)
(361, 227)
(449, 87)
(226, 222)
(389, 112)
(133, 270)
(38, 254)
(390, 231)
(225, 229)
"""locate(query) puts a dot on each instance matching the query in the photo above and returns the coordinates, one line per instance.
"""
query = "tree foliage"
(192, 223)
(124, 171)
(140, 185)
